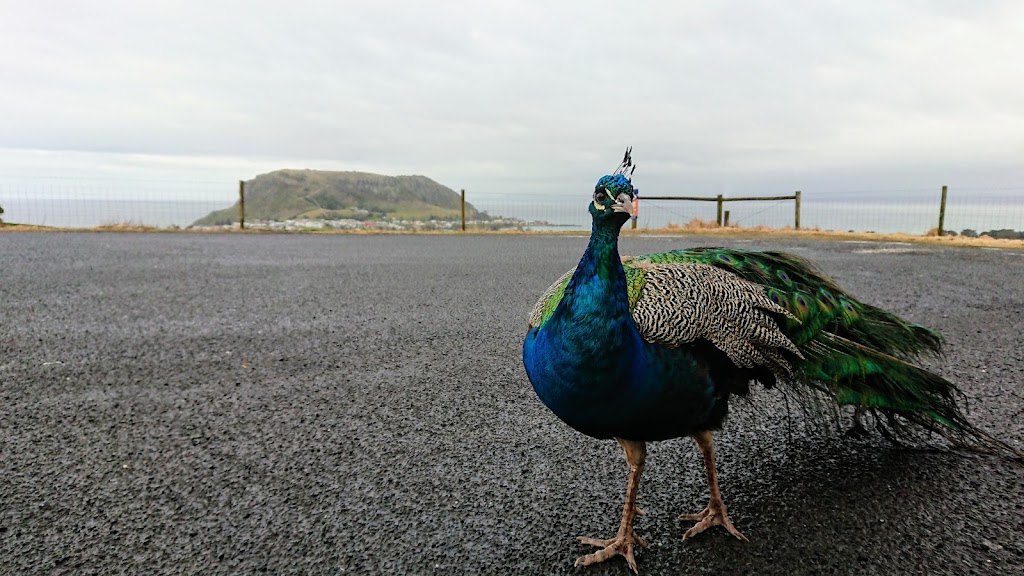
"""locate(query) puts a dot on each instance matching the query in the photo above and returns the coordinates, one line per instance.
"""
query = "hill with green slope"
(317, 194)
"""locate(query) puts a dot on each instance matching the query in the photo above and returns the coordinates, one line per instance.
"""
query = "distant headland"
(327, 199)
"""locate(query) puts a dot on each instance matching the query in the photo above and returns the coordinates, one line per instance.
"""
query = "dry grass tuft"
(698, 224)
(124, 227)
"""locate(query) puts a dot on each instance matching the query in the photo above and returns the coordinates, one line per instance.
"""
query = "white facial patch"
(598, 205)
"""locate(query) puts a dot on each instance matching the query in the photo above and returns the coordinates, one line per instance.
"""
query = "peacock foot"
(713, 515)
(621, 545)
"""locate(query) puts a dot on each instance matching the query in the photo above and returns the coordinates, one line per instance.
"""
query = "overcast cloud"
(514, 97)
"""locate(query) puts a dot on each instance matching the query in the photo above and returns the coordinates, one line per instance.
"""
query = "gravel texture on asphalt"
(347, 404)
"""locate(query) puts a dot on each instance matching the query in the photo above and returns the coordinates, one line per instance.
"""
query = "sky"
(520, 98)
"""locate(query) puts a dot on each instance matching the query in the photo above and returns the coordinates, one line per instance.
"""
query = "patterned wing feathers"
(681, 303)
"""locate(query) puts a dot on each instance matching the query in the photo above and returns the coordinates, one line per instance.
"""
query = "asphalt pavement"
(349, 404)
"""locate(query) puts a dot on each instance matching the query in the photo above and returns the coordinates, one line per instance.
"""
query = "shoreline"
(729, 232)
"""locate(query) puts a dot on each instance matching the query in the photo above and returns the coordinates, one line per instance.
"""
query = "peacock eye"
(600, 196)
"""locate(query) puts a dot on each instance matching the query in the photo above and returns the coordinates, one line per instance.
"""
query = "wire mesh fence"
(976, 210)
(917, 211)
(89, 203)
(86, 203)
(693, 214)
(911, 211)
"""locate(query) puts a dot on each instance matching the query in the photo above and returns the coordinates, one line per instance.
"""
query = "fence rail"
(723, 215)
(92, 203)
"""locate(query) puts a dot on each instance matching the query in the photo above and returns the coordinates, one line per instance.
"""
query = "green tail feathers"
(890, 387)
(856, 354)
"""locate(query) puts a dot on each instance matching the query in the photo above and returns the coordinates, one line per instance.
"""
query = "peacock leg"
(625, 540)
(714, 514)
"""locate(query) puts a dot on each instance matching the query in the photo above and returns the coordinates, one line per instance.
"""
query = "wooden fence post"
(241, 204)
(942, 212)
(796, 224)
(726, 218)
(719, 209)
(463, 209)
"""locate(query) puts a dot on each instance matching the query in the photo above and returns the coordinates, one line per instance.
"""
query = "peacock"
(652, 348)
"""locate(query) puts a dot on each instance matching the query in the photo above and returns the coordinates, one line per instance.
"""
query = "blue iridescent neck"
(601, 258)
(598, 286)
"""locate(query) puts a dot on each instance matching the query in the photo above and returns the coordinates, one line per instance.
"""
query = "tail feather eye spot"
(781, 299)
(801, 305)
(849, 309)
(784, 277)
(731, 259)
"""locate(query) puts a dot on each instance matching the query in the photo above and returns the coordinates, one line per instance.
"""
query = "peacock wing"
(679, 303)
(814, 299)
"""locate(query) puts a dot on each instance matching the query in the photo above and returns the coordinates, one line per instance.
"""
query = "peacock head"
(613, 200)
(613, 195)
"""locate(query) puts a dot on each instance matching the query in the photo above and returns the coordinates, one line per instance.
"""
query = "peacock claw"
(621, 545)
(713, 515)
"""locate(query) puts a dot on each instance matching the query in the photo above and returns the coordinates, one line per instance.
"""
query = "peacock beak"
(623, 203)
